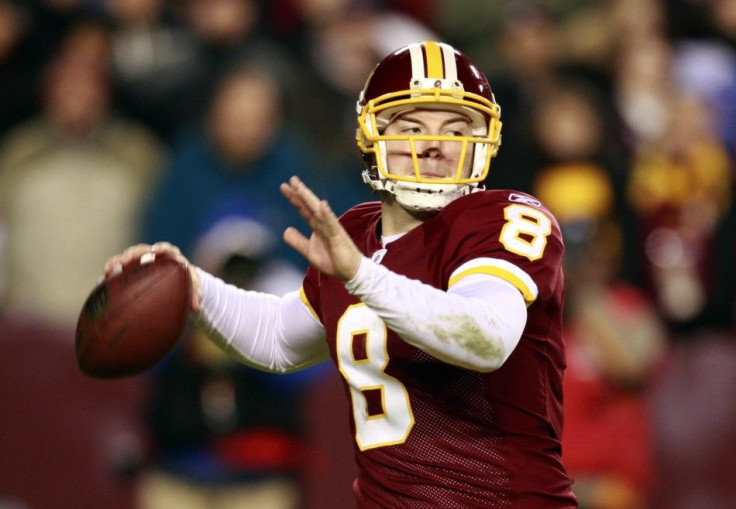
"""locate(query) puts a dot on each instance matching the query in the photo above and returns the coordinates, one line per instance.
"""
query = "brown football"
(133, 319)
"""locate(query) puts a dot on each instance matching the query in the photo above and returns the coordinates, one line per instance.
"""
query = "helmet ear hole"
(369, 162)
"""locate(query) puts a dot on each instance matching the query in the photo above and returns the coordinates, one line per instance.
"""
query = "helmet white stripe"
(450, 65)
(417, 61)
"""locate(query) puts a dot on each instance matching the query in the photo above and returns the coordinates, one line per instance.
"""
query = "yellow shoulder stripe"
(305, 300)
(529, 294)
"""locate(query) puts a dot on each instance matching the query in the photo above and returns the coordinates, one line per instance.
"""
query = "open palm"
(330, 249)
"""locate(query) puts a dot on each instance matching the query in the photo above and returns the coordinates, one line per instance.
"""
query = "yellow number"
(365, 373)
(526, 230)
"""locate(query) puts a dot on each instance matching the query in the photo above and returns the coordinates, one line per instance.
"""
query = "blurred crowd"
(125, 121)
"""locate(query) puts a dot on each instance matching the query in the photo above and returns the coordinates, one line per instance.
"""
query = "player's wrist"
(361, 272)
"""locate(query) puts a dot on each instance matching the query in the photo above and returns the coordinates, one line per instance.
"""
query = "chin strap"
(419, 197)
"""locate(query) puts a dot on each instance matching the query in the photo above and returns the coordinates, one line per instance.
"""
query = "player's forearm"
(475, 327)
(262, 330)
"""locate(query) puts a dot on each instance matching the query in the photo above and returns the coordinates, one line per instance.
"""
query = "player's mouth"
(433, 175)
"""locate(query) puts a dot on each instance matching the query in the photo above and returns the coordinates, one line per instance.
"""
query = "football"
(133, 318)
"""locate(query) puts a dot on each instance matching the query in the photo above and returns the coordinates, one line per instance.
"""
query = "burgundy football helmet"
(427, 75)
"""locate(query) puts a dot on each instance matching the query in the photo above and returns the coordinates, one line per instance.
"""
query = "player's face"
(436, 158)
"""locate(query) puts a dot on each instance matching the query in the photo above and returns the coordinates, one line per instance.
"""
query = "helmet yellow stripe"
(434, 60)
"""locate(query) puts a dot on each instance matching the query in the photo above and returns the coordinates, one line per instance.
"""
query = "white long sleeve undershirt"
(476, 324)
(277, 334)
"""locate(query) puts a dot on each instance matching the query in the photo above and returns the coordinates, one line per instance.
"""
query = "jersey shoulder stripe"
(499, 268)
(305, 300)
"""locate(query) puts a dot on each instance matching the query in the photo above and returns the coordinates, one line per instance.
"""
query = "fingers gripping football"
(116, 263)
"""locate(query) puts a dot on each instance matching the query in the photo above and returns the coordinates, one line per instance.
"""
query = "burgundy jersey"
(430, 434)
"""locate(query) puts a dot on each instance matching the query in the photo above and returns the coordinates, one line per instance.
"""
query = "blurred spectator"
(226, 432)
(30, 35)
(155, 66)
(485, 27)
(642, 84)
(636, 21)
(223, 434)
(73, 181)
(528, 57)
(573, 130)
(707, 69)
(230, 34)
(168, 57)
(240, 153)
(572, 123)
(614, 340)
(705, 58)
(614, 336)
(674, 97)
(681, 187)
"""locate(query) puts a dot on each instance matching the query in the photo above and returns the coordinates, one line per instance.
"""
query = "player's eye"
(411, 130)
(457, 129)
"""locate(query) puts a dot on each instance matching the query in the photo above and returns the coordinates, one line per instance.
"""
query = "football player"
(440, 304)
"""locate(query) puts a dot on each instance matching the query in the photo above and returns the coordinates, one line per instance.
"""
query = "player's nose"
(430, 151)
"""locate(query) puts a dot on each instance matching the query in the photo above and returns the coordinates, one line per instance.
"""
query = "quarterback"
(440, 304)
